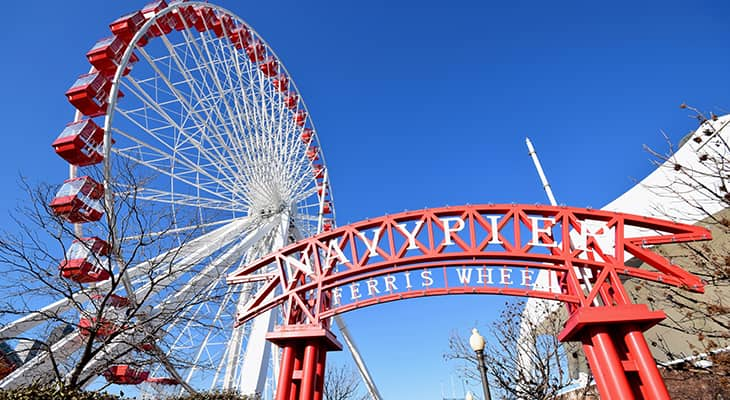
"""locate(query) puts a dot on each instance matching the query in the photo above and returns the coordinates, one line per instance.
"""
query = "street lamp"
(476, 341)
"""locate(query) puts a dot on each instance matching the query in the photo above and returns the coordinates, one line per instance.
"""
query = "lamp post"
(476, 341)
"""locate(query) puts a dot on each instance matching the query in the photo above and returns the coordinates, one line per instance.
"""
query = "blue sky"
(424, 104)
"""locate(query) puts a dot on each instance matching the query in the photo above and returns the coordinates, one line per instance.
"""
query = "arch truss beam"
(574, 255)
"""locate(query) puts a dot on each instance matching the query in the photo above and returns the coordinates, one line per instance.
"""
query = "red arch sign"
(577, 256)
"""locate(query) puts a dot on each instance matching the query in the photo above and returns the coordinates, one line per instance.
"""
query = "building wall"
(684, 189)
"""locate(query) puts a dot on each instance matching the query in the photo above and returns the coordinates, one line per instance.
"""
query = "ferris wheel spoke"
(163, 161)
(174, 154)
(176, 147)
(237, 116)
(160, 196)
(166, 311)
(205, 59)
(266, 100)
(249, 112)
(221, 236)
(209, 65)
(154, 235)
(188, 320)
(186, 106)
(257, 164)
(42, 365)
(211, 271)
(217, 319)
(187, 342)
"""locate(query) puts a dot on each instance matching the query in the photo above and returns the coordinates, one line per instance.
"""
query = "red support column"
(303, 360)
(653, 384)
(285, 373)
(309, 371)
(598, 373)
(297, 374)
(610, 364)
(319, 387)
(616, 350)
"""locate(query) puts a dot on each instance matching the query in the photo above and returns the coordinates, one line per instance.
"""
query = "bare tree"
(69, 330)
(695, 188)
(342, 383)
(524, 358)
(697, 184)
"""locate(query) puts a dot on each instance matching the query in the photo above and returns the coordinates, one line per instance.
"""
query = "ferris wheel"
(191, 153)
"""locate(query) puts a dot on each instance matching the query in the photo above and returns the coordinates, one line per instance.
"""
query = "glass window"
(84, 80)
(70, 188)
(77, 251)
(94, 204)
(103, 43)
(73, 129)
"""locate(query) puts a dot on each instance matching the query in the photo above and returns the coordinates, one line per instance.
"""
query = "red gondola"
(163, 24)
(327, 207)
(9, 360)
(125, 27)
(291, 100)
(281, 83)
(183, 16)
(111, 322)
(105, 55)
(313, 153)
(80, 143)
(146, 346)
(103, 329)
(307, 135)
(318, 171)
(85, 261)
(125, 375)
(223, 25)
(327, 225)
(113, 300)
(270, 67)
(300, 117)
(206, 18)
(256, 51)
(321, 190)
(152, 8)
(240, 37)
(89, 94)
(78, 200)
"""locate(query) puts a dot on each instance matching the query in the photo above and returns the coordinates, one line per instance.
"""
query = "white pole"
(540, 172)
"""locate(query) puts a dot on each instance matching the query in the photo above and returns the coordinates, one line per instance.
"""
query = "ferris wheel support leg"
(275, 365)
(256, 360)
(357, 357)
